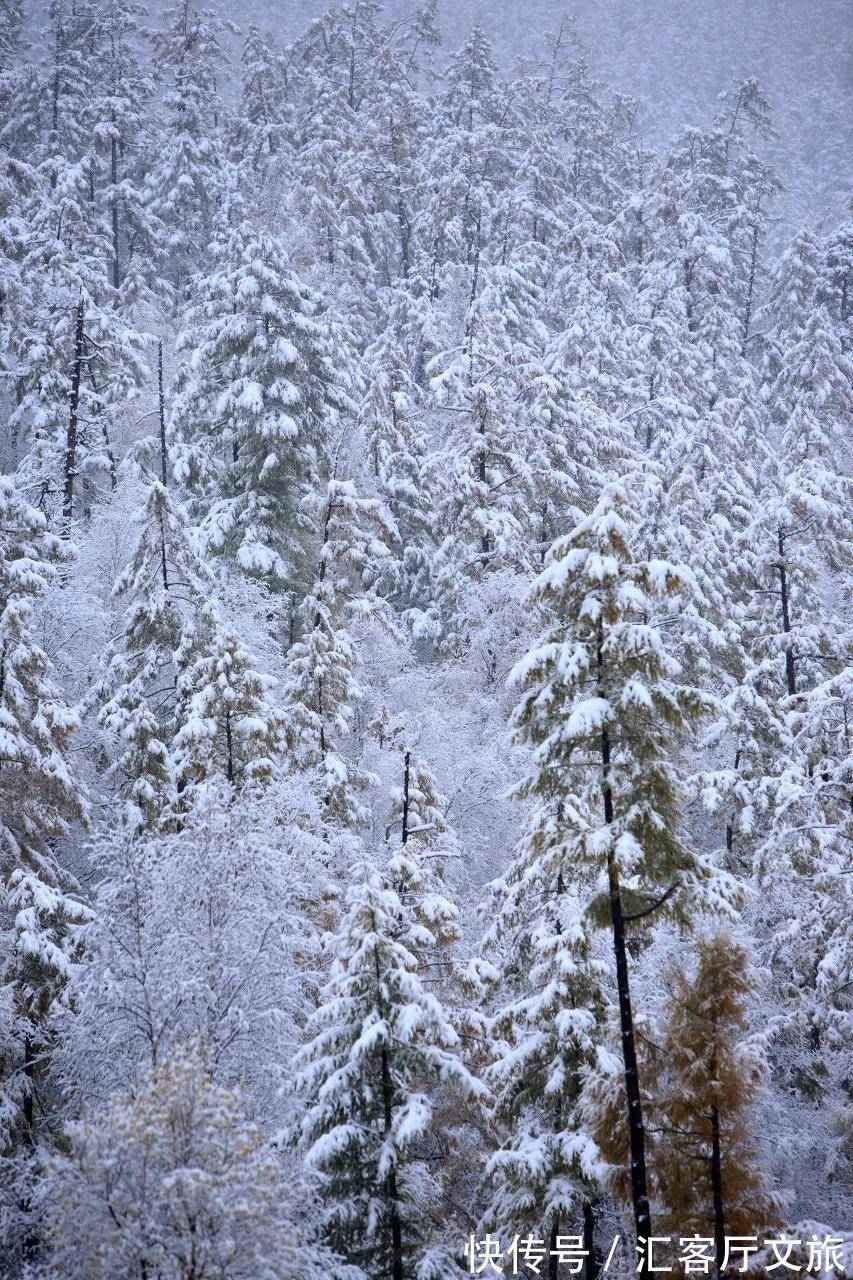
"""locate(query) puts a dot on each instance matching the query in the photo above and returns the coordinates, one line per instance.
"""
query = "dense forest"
(426, 780)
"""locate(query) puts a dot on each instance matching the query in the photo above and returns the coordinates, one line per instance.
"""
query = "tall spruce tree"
(254, 402)
(41, 798)
(544, 1171)
(603, 708)
(165, 587)
(382, 1048)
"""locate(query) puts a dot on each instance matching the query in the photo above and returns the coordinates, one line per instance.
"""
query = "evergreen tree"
(228, 723)
(253, 404)
(166, 586)
(123, 152)
(260, 131)
(418, 865)
(381, 1048)
(483, 475)
(188, 177)
(72, 31)
(41, 797)
(601, 708)
(76, 362)
(396, 438)
(544, 1171)
(321, 683)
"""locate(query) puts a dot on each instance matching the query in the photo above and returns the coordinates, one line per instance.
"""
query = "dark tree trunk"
(391, 1181)
(403, 222)
(164, 570)
(161, 404)
(73, 410)
(114, 212)
(322, 718)
(406, 766)
(28, 1107)
(717, 1192)
(750, 290)
(592, 1265)
(111, 458)
(229, 746)
(790, 675)
(485, 540)
(164, 567)
(30, 1243)
(636, 1130)
(553, 1261)
(730, 830)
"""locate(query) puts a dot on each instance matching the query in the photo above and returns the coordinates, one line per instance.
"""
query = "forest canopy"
(426, 782)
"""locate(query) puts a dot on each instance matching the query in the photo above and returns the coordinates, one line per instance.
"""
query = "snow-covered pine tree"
(124, 147)
(803, 517)
(396, 126)
(812, 823)
(468, 162)
(396, 438)
(601, 707)
(20, 92)
(534, 206)
(260, 130)
(333, 69)
(835, 279)
(76, 361)
(543, 1173)
(577, 435)
(812, 399)
(254, 402)
(382, 1049)
(41, 797)
(229, 724)
(801, 535)
(188, 177)
(72, 38)
(166, 586)
(321, 682)
(422, 846)
(483, 472)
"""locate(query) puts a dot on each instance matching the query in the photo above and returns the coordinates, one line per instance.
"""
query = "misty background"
(675, 57)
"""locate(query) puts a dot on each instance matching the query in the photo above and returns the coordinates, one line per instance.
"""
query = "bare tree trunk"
(161, 401)
(730, 830)
(790, 674)
(553, 1262)
(636, 1130)
(30, 1242)
(164, 569)
(717, 1192)
(592, 1266)
(406, 766)
(750, 290)
(114, 211)
(391, 1181)
(73, 409)
(111, 458)
(229, 746)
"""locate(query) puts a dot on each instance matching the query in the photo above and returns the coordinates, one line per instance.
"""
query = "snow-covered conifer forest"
(426, 528)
